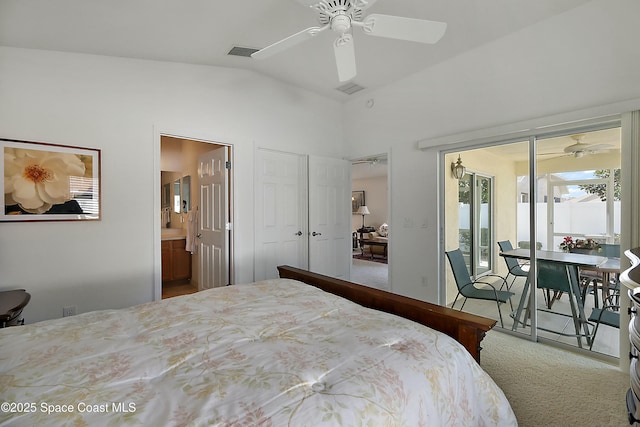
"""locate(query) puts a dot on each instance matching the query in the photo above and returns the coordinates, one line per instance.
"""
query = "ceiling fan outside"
(341, 16)
(579, 148)
(371, 161)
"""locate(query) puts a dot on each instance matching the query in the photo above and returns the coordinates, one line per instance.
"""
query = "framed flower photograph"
(49, 182)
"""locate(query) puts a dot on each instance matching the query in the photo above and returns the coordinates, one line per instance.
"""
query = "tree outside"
(601, 189)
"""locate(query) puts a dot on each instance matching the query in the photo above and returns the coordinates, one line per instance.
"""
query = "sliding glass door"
(475, 233)
(534, 193)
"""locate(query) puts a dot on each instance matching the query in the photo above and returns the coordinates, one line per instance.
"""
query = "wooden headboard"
(467, 329)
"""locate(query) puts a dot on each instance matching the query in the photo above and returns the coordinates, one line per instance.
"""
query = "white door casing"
(213, 218)
(280, 212)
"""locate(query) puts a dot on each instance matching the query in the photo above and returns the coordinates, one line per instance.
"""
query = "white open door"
(280, 212)
(213, 227)
(330, 216)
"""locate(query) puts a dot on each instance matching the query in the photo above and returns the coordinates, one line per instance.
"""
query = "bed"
(272, 353)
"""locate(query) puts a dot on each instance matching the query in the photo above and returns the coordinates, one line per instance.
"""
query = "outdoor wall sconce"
(457, 169)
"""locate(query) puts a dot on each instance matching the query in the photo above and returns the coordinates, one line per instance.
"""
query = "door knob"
(316, 234)
(199, 235)
(299, 233)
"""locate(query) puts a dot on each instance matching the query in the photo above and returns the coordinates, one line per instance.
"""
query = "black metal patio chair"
(467, 287)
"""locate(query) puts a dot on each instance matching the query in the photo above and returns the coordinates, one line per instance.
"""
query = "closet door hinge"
(227, 165)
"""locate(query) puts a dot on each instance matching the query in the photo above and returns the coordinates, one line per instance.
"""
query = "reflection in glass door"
(475, 234)
(465, 219)
(483, 259)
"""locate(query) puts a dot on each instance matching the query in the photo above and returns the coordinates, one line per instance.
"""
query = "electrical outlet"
(69, 310)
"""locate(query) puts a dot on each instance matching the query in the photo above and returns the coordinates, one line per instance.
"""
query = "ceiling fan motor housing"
(341, 23)
(344, 10)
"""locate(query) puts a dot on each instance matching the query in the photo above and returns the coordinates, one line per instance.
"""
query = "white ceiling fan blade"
(599, 147)
(396, 27)
(579, 146)
(556, 154)
(345, 57)
(290, 41)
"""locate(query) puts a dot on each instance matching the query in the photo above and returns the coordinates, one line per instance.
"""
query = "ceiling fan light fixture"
(341, 23)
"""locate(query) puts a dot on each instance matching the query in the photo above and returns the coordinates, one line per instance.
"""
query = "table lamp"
(363, 210)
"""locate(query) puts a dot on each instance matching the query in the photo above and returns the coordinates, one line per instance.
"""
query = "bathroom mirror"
(186, 194)
(177, 199)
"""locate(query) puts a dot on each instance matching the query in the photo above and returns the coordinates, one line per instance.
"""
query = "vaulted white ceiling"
(203, 32)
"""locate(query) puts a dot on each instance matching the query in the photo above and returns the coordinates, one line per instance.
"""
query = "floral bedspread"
(273, 353)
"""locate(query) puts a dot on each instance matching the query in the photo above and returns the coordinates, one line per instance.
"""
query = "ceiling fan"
(579, 148)
(341, 16)
(370, 161)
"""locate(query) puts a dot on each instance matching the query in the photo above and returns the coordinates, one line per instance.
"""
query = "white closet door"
(330, 216)
(280, 212)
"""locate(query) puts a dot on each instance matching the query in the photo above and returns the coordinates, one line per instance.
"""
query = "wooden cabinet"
(176, 261)
(167, 270)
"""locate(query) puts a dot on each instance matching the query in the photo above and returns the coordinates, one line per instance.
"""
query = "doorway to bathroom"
(195, 209)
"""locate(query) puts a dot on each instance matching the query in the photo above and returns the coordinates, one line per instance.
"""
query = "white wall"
(118, 105)
(583, 61)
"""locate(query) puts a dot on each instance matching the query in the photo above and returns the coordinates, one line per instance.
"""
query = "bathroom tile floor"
(170, 290)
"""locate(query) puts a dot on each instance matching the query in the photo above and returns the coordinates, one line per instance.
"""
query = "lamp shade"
(363, 210)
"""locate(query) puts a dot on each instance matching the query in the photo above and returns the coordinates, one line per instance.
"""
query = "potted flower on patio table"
(581, 246)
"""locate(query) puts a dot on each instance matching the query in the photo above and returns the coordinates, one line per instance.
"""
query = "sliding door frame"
(530, 135)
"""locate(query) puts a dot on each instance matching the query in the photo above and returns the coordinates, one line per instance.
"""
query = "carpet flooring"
(548, 386)
(368, 258)
(373, 274)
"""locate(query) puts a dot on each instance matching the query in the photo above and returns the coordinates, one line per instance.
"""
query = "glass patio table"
(571, 261)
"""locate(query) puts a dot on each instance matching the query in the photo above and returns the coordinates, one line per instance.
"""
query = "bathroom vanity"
(176, 261)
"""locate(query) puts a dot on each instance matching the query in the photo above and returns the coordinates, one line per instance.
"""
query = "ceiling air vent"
(350, 88)
(242, 51)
